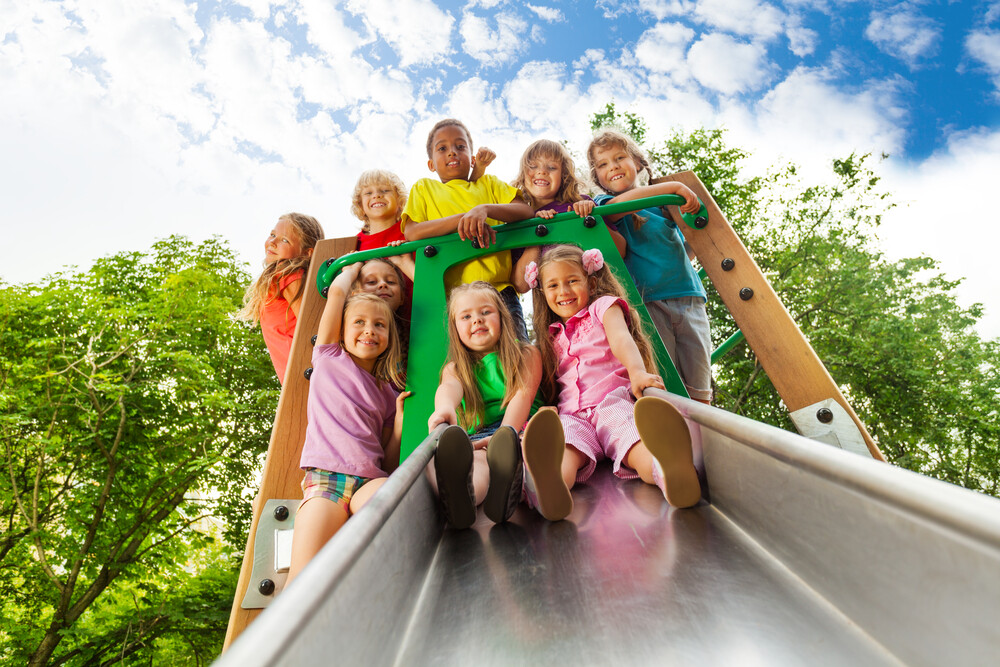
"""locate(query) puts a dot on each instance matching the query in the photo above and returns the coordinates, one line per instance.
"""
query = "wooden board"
(281, 476)
(786, 356)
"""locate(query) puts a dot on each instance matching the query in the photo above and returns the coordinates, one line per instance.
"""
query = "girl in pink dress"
(274, 298)
(598, 360)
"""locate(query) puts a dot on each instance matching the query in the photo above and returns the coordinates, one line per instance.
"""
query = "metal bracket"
(829, 423)
(272, 552)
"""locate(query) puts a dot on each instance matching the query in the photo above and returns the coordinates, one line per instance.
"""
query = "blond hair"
(569, 188)
(602, 282)
(388, 364)
(402, 324)
(511, 352)
(376, 177)
(609, 138)
(265, 289)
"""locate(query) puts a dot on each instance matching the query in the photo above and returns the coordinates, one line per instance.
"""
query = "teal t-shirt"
(492, 386)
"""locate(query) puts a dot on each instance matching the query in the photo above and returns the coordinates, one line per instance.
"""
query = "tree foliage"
(135, 409)
(891, 332)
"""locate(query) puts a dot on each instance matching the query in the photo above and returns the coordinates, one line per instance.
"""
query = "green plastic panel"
(428, 331)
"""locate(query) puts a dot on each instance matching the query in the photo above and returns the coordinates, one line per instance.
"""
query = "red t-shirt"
(277, 323)
(380, 240)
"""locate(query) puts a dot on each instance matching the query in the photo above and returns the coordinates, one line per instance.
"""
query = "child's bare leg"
(480, 476)
(640, 460)
(573, 460)
(664, 454)
(364, 494)
(317, 520)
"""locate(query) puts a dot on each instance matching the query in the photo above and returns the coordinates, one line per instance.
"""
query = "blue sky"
(124, 121)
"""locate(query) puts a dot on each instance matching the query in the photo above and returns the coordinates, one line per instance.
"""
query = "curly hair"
(447, 122)
(376, 177)
(265, 289)
(602, 283)
(569, 189)
(511, 352)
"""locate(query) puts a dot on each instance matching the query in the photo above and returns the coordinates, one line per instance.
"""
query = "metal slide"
(805, 554)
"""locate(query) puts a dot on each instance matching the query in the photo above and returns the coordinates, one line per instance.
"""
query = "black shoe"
(453, 469)
(506, 475)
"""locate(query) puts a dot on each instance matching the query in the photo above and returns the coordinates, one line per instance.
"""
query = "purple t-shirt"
(558, 206)
(347, 412)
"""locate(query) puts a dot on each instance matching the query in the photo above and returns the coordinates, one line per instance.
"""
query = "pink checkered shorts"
(606, 430)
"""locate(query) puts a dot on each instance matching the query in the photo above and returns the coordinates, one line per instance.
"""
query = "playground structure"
(803, 552)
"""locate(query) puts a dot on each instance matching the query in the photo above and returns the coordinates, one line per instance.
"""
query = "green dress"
(492, 386)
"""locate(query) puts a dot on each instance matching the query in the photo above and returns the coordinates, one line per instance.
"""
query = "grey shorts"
(683, 327)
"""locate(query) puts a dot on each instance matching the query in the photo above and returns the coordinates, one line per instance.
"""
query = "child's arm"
(403, 262)
(484, 157)
(620, 243)
(471, 224)
(289, 294)
(624, 348)
(393, 435)
(517, 274)
(691, 204)
(517, 410)
(336, 297)
(446, 399)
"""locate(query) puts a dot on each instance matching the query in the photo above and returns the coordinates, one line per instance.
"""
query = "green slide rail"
(428, 345)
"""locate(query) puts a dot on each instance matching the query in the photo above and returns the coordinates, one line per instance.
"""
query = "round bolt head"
(313, 339)
(280, 512)
(430, 251)
(475, 244)
(326, 290)
(589, 221)
(266, 587)
(329, 262)
(308, 373)
(825, 415)
(746, 293)
(701, 222)
(728, 264)
(541, 230)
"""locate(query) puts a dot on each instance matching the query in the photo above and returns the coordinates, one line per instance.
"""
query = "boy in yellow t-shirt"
(469, 207)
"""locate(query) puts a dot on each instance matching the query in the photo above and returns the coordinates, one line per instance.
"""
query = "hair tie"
(531, 275)
(593, 261)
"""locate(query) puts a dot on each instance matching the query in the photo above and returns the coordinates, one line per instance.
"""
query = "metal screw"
(280, 512)
(825, 415)
(430, 251)
(541, 230)
(475, 244)
(329, 262)
(728, 264)
(308, 373)
(701, 222)
(326, 290)
(589, 221)
(746, 293)
(266, 587)
(313, 339)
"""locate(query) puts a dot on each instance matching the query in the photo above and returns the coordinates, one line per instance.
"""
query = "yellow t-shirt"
(431, 199)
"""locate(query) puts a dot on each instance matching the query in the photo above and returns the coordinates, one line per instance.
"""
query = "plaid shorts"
(334, 486)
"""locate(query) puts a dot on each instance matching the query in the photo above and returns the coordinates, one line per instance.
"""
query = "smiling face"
(380, 204)
(451, 154)
(615, 168)
(366, 332)
(566, 287)
(282, 243)
(477, 320)
(543, 178)
(381, 279)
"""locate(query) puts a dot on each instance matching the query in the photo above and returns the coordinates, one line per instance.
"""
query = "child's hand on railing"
(583, 208)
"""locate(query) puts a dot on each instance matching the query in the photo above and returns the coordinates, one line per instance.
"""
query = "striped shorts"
(334, 486)
(606, 430)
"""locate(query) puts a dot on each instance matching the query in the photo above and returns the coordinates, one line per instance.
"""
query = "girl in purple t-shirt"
(355, 416)
(596, 356)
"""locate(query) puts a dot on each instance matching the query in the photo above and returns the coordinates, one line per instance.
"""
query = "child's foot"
(544, 445)
(503, 454)
(453, 468)
(666, 436)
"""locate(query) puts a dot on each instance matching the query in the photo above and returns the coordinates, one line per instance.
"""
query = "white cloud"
(801, 41)
(661, 9)
(723, 64)
(490, 47)
(984, 46)
(477, 95)
(417, 30)
(326, 30)
(261, 9)
(758, 20)
(941, 217)
(904, 33)
(550, 14)
(662, 48)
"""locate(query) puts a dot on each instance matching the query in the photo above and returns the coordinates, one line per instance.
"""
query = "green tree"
(892, 334)
(135, 408)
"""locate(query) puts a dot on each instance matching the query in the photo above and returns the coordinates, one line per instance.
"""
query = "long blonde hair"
(388, 364)
(266, 288)
(511, 352)
(376, 177)
(569, 189)
(602, 282)
(608, 138)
